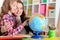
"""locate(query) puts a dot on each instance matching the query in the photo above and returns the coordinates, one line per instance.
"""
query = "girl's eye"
(21, 8)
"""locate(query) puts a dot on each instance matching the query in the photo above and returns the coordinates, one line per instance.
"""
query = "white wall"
(57, 11)
(1, 2)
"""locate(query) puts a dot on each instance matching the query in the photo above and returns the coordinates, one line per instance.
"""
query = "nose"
(17, 9)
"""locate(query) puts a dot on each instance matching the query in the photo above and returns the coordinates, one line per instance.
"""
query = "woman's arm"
(20, 28)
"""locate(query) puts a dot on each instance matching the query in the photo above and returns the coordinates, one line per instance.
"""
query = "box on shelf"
(51, 13)
(50, 7)
(44, 1)
(43, 9)
(36, 9)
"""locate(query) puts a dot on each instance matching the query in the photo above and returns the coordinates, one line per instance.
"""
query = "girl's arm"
(6, 25)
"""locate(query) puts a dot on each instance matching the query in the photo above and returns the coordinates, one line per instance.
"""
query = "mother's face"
(17, 8)
(14, 7)
(20, 9)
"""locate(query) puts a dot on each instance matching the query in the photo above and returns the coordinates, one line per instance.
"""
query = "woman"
(12, 16)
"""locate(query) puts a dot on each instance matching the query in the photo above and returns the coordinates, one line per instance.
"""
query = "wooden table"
(21, 36)
(14, 37)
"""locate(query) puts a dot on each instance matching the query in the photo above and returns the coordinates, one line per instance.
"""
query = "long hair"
(6, 7)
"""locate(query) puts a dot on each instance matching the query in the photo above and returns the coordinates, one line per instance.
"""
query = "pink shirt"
(9, 21)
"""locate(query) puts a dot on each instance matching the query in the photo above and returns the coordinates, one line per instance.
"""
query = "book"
(36, 9)
(29, 12)
(43, 9)
(30, 1)
(44, 1)
(51, 13)
(50, 7)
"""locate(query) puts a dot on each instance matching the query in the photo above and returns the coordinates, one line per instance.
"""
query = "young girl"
(13, 13)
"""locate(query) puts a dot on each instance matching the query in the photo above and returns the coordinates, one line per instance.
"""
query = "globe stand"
(36, 36)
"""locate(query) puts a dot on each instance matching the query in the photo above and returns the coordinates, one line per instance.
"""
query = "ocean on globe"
(37, 22)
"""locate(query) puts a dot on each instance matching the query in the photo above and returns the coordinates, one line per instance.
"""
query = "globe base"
(36, 37)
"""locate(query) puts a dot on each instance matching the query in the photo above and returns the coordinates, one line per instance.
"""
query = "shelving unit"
(51, 11)
(44, 7)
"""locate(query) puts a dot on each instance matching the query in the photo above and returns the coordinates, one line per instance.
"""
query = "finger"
(27, 20)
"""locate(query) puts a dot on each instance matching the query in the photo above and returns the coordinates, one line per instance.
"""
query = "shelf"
(51, 2)
(36, 4)
(50, 17)
(51, 20)
(44, 7)
(43, 3)
(32, 4)
(36, 1)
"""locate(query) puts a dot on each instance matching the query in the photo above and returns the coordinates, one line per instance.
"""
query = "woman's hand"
(25, 23)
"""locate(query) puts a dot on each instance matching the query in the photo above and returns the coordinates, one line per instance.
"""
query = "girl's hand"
(4, 29)
(25, 23)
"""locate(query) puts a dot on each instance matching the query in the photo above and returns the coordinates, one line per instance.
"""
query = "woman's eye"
(14, 5)
(21, 8)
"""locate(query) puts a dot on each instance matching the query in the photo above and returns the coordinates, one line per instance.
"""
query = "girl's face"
(14, 7)
(17, 8)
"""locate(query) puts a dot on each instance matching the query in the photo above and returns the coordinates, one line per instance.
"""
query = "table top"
(22, 37)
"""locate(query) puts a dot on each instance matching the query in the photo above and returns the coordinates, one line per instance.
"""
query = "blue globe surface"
(37, 23)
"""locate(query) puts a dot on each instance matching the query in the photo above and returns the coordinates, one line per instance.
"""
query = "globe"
(37, 23)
